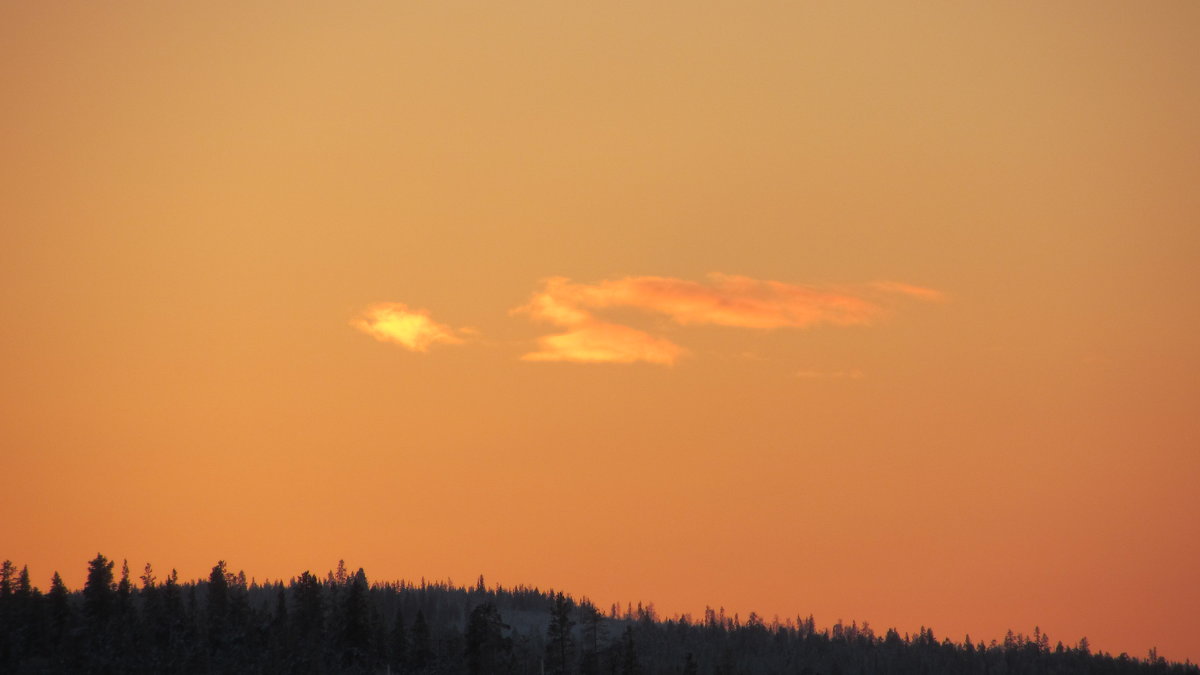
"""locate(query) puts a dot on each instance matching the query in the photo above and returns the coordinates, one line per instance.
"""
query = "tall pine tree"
(560, 647)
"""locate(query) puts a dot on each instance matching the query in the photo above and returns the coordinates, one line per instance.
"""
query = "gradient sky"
(874, 311)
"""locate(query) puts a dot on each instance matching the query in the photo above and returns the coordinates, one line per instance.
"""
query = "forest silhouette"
(342, 623)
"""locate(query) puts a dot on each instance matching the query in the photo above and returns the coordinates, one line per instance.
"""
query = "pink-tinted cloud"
(412, 329)
(726, 300)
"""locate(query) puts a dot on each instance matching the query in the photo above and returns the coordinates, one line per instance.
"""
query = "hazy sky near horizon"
(871, 310)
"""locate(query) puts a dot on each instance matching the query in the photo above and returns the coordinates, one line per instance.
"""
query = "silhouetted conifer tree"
(356, 623)
(422, 645)
(60, 609)
(8, 574)
(123, 632)
(27, 620)
(99, 598)
(175, 635)
(487, 649)
(124, 587)
(8, 656)
(217, 622)
(560, 648)
(309, 622)
(593, 633)
(98, 592)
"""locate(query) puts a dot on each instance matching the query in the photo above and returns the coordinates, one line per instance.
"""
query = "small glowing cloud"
(412, 329)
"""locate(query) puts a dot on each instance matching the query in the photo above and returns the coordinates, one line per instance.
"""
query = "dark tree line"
(342, 623)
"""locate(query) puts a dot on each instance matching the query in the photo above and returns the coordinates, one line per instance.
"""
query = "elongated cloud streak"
(412, 329)
(908, 289)
(725, 301)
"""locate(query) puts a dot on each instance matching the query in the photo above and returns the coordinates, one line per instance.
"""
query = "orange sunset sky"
(873, 310)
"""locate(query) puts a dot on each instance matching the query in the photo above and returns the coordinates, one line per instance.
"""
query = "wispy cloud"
(908, 289)
(726, 300)
(601, 342)
(412, 329)
(590, 340)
